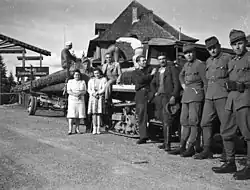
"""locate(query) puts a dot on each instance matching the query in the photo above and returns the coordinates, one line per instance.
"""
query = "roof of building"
(146, 28)
(10, 44)
(124, 21)
(101, 26)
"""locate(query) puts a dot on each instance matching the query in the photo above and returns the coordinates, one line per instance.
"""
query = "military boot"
(165, 146)
(179, 150)
(227, 167)
(189, 152)
(205, 154)
(243, 174)
(223, 157)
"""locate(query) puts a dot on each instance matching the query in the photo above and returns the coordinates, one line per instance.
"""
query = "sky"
(46, 23)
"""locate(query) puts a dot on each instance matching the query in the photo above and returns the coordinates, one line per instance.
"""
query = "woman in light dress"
(76, 88)
(96, 90)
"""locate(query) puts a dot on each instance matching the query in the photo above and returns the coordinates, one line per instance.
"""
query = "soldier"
(166, 89)
(67, 58)
(194, 83)
(142, 85)
(216, 95)
(237, 105)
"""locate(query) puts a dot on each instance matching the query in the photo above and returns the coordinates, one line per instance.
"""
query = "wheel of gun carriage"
(32, 105)
(128, 124)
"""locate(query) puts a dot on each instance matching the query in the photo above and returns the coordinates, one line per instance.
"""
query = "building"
(135, 21)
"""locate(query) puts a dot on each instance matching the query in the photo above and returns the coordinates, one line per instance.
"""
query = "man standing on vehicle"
(237, 105)
(142, 86)
(193, 81)
(166, 89)
(216, 95)
(67, 58)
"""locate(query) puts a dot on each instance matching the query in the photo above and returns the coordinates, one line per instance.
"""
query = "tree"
(4, 86)
(11, 80)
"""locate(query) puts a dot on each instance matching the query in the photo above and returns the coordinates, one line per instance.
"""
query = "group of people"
(88, 101)
(219, 88)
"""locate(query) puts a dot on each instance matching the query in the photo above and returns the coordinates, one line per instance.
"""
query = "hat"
(211, 42)
(188, 47)
(236, 35)
(68, 43)
(172, 109)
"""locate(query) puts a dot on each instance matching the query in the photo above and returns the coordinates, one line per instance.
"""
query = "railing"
(9, 98)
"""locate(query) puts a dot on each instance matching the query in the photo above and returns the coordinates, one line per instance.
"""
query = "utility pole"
(179, 33)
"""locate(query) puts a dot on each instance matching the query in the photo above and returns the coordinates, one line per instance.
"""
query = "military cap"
(172, 109)
(211, 41)
(236, 35)
(188, 47)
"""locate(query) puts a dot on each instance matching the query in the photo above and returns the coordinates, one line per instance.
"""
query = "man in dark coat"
(237, 106)
(166, 89)
(216, 95)
(142, 80)
(193, 81)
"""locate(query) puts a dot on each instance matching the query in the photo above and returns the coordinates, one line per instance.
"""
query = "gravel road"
(36, 153)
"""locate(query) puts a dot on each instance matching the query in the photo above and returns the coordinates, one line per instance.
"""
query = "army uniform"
(237, 109)
(142, 87)
(216, 96)
(193, 76)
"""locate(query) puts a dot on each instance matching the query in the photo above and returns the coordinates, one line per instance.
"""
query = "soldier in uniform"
(237, 105)
(166, 89)
(142, 80)
(193, 81)
(216, 95)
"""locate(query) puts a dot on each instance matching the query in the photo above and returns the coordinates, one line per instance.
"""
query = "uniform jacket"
(115, 70)
(142, 80)
(171, 82)
(193, 76)
(239, 71)
(217, 75)
(66, 58)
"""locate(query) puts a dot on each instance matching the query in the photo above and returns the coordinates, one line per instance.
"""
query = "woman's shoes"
(70, 133)
(77, 130)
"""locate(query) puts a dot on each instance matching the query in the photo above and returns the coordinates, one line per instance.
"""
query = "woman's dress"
(76, 105)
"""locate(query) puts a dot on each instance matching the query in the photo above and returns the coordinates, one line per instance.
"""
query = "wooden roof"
(11, 45)
(124, 22)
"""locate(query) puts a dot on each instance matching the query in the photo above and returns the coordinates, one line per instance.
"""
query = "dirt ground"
(36, 153)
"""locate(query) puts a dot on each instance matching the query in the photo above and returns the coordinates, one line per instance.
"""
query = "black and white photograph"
(124, 95)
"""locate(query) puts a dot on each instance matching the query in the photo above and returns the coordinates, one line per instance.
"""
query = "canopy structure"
(11, 45)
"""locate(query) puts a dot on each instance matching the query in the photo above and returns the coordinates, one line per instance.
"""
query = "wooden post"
(23, 62)
(40, 60)
(31, 77)
(176, 54)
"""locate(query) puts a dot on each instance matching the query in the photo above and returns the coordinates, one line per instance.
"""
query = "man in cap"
(193, 81)
(166, 89)
(237, 105)
(216, 95)
(142, 80)
(67, 58)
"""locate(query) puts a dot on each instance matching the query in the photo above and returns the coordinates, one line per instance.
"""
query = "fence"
(11, 98)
